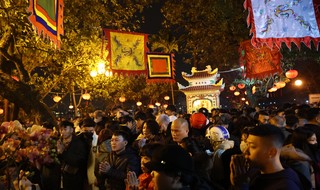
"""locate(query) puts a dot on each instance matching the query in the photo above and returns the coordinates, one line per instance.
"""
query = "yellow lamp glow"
(298, 82)
(86, 96)
(57, 98)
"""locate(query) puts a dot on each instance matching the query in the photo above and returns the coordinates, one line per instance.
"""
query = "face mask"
(88, 135)
(243, 146)
(314, 147)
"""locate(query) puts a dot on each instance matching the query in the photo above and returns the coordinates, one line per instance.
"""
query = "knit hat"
(198, 120)
(171, 158)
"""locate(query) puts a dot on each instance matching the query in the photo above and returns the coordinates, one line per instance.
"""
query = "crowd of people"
(222, 149)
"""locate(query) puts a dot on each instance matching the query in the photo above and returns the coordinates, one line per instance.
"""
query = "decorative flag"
(276, 21)
(127, 51)
(259, 62)
(160, 68)
(47, 18)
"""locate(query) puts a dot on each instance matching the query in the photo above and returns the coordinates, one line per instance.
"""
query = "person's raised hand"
(238, 170)
(132, 182)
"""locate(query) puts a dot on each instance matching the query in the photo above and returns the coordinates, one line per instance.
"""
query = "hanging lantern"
(57, 98)
(280, 84)
(86, 96)
(1, 111)
(151, 106)
(236, 93)
(165, 106)
(241, 85)
(273, 89)
(291, 74)
(247, 102)
(232, 88)
(253, 89)
(243, 99)
(71, 106)
(139, 103)
(167, 97)
(158, 104)
(122, 99)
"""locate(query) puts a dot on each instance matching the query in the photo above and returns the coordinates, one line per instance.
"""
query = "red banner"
(160, 68)
(259, 62)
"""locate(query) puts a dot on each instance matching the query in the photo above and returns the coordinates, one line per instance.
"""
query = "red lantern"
(241, 85)
(291, 74)
(232, 88)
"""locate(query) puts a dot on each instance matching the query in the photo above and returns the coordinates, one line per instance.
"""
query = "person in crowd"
(100, 120)
(171, 111)
(144, 181)
(163, 121)
(129, 122)
(306, 140)
(73, 154)
(90, 137)
(219, 138)
(313, 120)
(301, 113)
(279, 121)
(172, 168)
(104, 148)
(150, 114)
(263, 118)
(139, 117)
(179, 130)
(198, 124)
(98, 116)
(264, 145)
(214, 113)
(118, 112)
(122, 159)
(150, 134)
(292, 122)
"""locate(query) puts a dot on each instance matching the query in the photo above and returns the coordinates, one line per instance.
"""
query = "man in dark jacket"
(73, 156)
(264, 145)
(121, 160)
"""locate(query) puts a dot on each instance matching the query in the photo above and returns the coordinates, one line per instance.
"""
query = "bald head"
(179, 129)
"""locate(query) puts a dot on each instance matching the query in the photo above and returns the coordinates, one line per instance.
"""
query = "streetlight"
(298, 82)
(100, 69)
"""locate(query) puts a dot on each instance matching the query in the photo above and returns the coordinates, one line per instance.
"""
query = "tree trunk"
(23, 96)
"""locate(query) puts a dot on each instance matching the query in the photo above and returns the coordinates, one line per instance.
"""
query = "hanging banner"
(259, 62)
(160, 68)
(274, 22)
(127, 52)
(47, 18)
